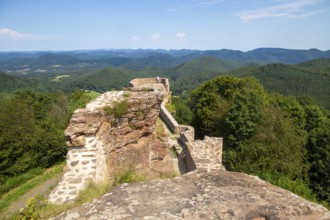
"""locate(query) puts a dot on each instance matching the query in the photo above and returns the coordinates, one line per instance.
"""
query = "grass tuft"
(118, 109)
(126, 95)
(173, 151)
(128, 176)
(160, 130)
(92, 191)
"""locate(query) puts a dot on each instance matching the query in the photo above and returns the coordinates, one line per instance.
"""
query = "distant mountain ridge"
(262, 55)
(311, 79)
(294, 72)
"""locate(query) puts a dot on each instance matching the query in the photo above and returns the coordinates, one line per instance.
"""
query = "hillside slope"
(308, 79)
(10, 84)
(106, 79)
(190, 74)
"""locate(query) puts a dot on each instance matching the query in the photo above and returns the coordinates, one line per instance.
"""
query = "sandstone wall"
(101, 145)
(163, 85)
(169, 120)
(197, 154)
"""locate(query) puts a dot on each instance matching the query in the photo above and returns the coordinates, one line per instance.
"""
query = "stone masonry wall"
(198, 154)
(85, 155)
(163, 85)
(99, 145)
(169, 120)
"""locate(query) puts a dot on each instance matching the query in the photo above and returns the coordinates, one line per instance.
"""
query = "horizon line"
(151, 49)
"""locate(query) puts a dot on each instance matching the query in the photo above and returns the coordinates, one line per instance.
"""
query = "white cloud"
(295, 8)
(12, 34)
(180, 36)
(155, 37)
(6, 33)
(313, 13)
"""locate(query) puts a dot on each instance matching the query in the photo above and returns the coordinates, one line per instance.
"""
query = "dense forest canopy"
(266, 134)
(31, 129)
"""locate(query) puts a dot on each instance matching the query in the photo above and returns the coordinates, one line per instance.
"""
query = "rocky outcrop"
(200, 195)
(117, 131)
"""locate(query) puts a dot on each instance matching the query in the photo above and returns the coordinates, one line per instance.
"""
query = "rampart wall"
(100, 145)
(197, 154)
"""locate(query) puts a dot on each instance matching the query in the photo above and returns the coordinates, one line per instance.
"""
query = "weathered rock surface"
(102, 144)
(218, 194)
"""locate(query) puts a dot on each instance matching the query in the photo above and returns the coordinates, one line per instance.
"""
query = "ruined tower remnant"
(117, 131)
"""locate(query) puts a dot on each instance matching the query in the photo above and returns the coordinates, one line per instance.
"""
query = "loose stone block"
(74, 163)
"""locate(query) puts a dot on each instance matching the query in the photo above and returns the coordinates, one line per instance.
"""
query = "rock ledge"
(200, 195)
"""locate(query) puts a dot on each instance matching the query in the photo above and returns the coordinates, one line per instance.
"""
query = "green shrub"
(145, 89)
(30, 210)
(297, 186)
(170, 108)
(139, 113)
(118, 109)
(126, 95)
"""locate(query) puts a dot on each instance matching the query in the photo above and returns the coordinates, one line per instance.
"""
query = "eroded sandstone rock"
(200, 195)
(102, 144)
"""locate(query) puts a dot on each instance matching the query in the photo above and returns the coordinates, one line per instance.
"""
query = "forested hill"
(320, 65)
(190, 74)
(104, 80)
(279, 55)
(310, 79)
(185, 76)
(10, 84)
(103, 70)
(32, 62)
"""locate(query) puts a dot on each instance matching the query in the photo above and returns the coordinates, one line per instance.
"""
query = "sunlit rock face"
(102, 143)
(217, 194)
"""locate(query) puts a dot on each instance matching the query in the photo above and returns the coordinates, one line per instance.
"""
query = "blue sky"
(27, 25)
